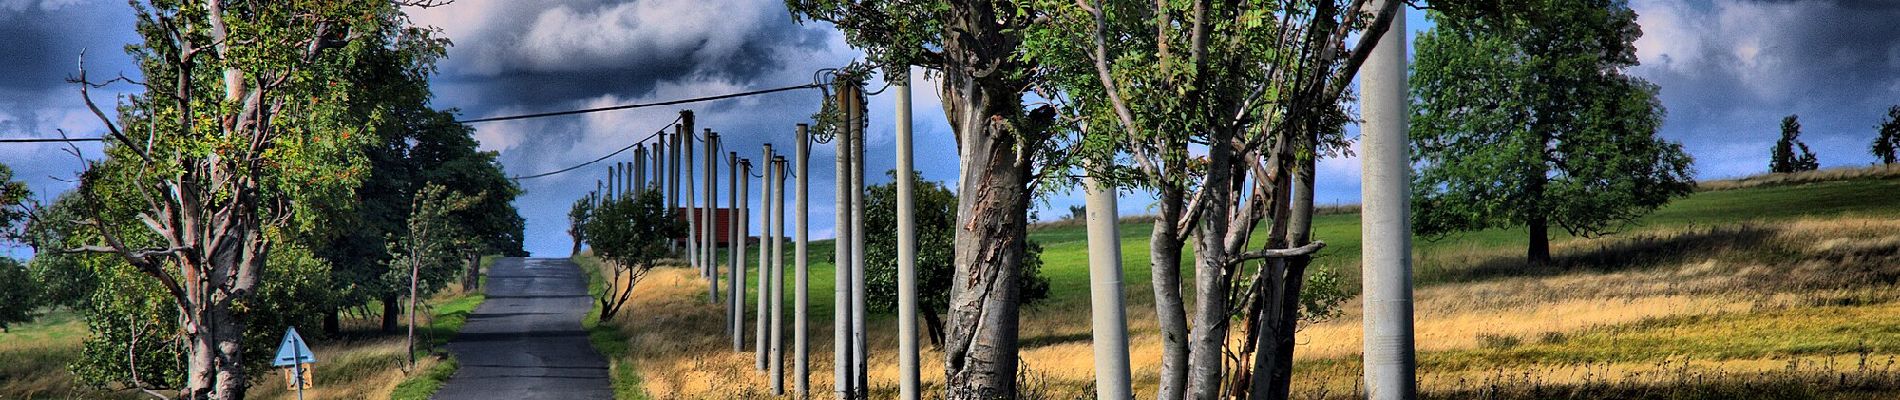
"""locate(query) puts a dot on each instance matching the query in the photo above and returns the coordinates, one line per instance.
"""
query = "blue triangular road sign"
(293, 351)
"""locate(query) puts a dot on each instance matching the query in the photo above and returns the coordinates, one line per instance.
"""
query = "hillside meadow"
(360, 363)
(1775, 289)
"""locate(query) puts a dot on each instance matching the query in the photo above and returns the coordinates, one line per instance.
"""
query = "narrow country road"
(526, 341)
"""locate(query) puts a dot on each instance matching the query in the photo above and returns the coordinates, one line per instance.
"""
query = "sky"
(1729, 70)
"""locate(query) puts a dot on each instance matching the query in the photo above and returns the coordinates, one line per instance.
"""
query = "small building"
(722, 225)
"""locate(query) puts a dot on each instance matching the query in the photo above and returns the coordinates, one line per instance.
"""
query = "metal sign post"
(295, 354)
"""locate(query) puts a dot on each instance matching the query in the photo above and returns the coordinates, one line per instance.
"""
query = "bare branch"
(111, 128)
(1307, 249)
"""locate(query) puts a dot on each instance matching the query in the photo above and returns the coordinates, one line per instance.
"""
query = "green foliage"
(576, 217)
(245, 149)
(1790, 154)
(630, 234)
(415, 145)
(428, 246)
(20, 298)
(1887, 142)
(1527, 118)
(62, 280)
(13, 213)
(935, 211)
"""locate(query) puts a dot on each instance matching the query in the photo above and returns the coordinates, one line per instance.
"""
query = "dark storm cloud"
(525, 57)
(1729, 70)
(537, 53)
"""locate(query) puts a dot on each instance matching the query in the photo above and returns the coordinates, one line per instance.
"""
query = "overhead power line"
(640, 105)
(50, 140)
(605, 157)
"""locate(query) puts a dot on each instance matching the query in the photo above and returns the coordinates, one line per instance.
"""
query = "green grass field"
(1814, 313)
(1065, 249)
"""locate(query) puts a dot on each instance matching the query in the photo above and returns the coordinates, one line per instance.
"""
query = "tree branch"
(1308, 249)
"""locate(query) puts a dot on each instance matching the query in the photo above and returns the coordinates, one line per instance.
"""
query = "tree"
(630, 234)
(1526, 118)
(935, 210)
(1790, 154)
(135, 340)
(414, 145)
(426, 252)
(1263, 81)
(577, 217)
(13, 203)
(975, 49)
(1887, 142)
(19, 295)
(240, 142)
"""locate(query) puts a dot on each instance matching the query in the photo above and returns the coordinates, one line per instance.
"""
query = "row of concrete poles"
(1389, 358)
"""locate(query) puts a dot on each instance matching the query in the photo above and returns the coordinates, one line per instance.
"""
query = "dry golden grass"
(368, 369)
(1820, 175)
(1469, 331)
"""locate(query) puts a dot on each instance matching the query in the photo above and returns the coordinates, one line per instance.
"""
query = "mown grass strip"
(609, 339)
(447, 320)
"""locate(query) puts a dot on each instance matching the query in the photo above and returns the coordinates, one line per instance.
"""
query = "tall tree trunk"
(1299, 233)
(1164, 254)
(472, 280)
(992, 204)
(1539, 251)
(934, 324)
(1211, 281)
(391, 311)
(229, 332)
(332, 324)
(202, 360)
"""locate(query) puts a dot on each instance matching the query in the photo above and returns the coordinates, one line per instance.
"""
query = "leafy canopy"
(1527, 117)
(935, 211)
(1790, 154)
(630, 234)
(1887, 142)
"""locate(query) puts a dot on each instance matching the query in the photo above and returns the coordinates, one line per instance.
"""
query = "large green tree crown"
(1887, 139)
(1525, 114)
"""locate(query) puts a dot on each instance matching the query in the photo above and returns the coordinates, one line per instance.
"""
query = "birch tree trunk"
(1164, 255)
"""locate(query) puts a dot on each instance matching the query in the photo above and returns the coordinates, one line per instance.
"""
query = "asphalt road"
(526, 341)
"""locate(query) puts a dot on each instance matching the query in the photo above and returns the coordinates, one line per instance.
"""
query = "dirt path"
(526, 341)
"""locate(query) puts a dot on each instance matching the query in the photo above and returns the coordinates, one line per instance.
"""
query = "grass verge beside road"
(609, 338)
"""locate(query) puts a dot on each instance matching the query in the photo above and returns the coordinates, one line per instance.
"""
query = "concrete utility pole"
(692, 204)
(640, 168)
(859, 349)
(759, 322)
(707, 241)
(801, 281)
(841, 338)
(673, 174)
(906, 248)
(626, 178)
(1390, 364)
(1105, 293)
(768, 309)
(735, 254)
(778, 275)
(659, 172)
